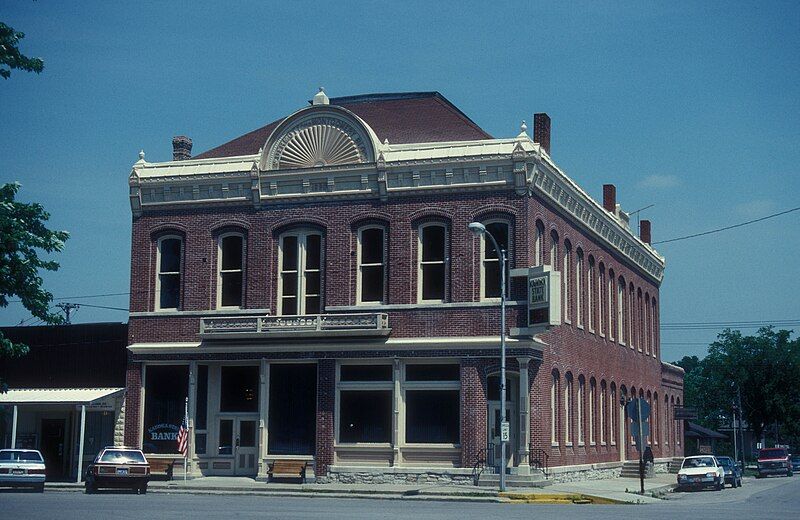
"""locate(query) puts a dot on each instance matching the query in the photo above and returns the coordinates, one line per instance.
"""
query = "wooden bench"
(163, 467)
(288, 469)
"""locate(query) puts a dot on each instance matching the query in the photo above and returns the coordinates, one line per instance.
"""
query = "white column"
(396, 414)
(14, 428)
(263, 420)
(192, 412)
(524, 417)
(80, 445)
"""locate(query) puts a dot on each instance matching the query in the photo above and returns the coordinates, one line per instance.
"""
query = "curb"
(559, 498)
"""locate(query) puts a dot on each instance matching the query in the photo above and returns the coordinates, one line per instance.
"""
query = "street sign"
(686, 413)
(632, 408)
(645, 428)
(505, 434)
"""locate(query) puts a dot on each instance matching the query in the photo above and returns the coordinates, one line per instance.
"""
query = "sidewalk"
(609, 491)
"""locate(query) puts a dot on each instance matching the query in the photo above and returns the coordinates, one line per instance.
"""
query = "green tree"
(22, 235)
(11, 57)
(764, 367)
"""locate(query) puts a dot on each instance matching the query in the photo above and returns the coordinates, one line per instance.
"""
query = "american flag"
(183, 434)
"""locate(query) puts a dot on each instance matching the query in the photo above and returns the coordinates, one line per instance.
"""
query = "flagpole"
(186, 453)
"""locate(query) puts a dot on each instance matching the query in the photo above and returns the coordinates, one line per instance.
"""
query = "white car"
(701, 471)
(22, 468)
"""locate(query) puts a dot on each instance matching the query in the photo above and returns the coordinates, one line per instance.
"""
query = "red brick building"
(314, 291)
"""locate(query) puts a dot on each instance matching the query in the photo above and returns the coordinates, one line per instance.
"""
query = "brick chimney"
(644, 231)
(610, 198)
(541, 130)
(181, 148)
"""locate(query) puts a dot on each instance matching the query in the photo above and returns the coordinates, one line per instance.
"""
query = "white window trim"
(567, 411)
(612, 409)
(566, 274)
(611, 286)
(590, 412)
(578, 287)
(446, 261)
(601, 281)
(631, 298)
(302, 234)
(621, 312)
(356, 386)
(425, 385)
(539, 245)
(554, 407)
(359, 264)
(483, 260)
(590, 277)
(219, 269)
(159, 273)
(579, 410)
(602, 414)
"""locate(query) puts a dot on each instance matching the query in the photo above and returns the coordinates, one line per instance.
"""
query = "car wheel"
(143, 489)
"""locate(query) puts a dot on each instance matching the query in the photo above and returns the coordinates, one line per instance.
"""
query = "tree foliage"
(11, 57)
(22, 235)
(764, 367)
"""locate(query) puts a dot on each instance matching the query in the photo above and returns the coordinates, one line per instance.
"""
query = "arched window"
(647, 324)
(554, 249)
(567, 408)
(490, 258)
(433, 261)
(621, 310)
(666, 421)
(611, 314)
(612, 415)
(539, 244)
(600, 300)
(581, 399)
(579, 286)
(591, 408)
(300, 272)
(566, 274)
(230, 269)
(631, 315)
(639, 321)
(590, 291)
(603, 412)
(678, 432)
(170, 270)
(654, 327)
(656, 418)
(371, 264)
(555, 388)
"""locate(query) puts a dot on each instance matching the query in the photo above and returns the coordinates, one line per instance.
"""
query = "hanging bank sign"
(544, 295)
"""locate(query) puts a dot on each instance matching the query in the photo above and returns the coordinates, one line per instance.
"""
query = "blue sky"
(693, 107)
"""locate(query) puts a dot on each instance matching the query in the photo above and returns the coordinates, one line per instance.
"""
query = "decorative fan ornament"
(319, 145)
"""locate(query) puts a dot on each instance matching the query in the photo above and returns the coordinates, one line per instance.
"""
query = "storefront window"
(166, 389)
(365, 416)
(432, 416)
(239, 392)
(292, 409)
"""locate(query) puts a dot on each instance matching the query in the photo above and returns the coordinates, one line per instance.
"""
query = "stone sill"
(395, 470)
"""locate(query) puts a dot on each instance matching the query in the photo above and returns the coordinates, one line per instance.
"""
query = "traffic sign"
(633, 408)
(505, 434)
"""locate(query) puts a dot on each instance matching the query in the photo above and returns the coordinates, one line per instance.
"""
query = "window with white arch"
(567, 409)
(170, 269)
(579, 287)
(300, 270)
(554, 389)
(230, 269)
(371, 264)
(538, 258)
(579, 409)
(490, 258)
(621, 311)
(566, 273)
(590, 283)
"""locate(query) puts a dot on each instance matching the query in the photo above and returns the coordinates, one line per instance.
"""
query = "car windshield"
(20, 456)
(122, 456)
(699, 462)
(725, 461)
(772, 454)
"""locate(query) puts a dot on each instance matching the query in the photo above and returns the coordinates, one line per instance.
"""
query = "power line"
(104, 307)
(726, 227)
(80, 297)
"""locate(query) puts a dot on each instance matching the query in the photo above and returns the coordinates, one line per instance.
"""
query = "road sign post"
(639, 410)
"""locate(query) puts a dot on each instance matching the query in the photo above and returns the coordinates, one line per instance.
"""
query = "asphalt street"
(768, 498)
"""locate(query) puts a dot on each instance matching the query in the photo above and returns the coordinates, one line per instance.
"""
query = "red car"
(118, 467)
(774, 461)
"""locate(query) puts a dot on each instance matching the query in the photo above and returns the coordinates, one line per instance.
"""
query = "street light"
(479, 229)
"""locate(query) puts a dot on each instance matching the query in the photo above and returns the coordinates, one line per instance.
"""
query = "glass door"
(494, 433)
(238, 437)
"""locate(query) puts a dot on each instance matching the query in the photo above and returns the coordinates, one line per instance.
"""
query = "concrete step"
(535, 479)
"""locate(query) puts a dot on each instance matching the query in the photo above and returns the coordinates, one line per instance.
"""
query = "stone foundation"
(398, 475)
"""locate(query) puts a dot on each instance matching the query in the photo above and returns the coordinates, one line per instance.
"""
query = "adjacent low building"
(313, 290)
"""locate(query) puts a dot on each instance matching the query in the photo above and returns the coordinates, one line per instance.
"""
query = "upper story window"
(565, 278)
(579, 287)
(432, 262)
(490, 259)
(554, 249)
(168, 280)
(621, 311)
(230, 262)
(372, 265)
(300, 280)
(539, 244)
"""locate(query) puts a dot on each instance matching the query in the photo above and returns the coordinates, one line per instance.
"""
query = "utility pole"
(67, 308)
(741, 429)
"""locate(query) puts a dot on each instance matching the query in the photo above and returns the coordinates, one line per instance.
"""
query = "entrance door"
(494, 433)
(238, 436)
(52, 447)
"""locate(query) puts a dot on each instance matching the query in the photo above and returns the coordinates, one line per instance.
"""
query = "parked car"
(774, 461)
(118, 467)
(701, 471)
(794, 460)
(733, 473)
(22, 468)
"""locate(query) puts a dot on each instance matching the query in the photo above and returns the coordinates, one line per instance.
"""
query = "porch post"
(192, 412)
(80, 445)
(396, 414)
(524, 417)
(14, 428)
(263, 420)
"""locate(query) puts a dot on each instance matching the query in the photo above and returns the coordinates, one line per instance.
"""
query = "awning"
(695, 430)
(57, 395)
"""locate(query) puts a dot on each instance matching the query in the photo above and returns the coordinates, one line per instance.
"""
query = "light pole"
(480, 229)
